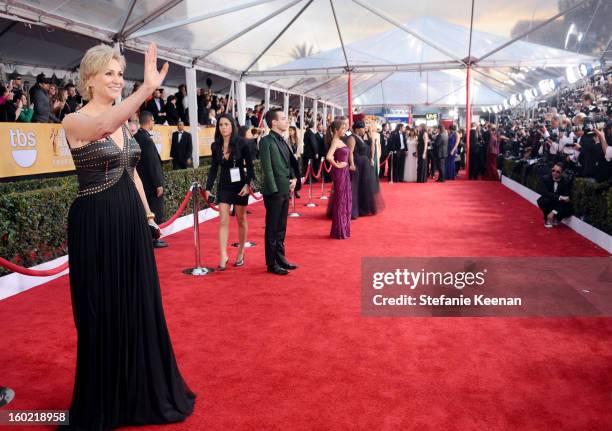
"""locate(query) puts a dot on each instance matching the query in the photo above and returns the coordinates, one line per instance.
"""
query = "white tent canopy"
(398, 52)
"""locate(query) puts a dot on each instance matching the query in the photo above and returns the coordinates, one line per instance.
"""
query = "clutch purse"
(155, 230)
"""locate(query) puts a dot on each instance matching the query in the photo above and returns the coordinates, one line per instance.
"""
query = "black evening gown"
(126, 373)
(366, 199)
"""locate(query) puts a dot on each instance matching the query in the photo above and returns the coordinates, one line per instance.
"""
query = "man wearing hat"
(16, 82)
(39, 95)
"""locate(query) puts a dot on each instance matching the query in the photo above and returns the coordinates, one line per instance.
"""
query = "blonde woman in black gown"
(126, 373)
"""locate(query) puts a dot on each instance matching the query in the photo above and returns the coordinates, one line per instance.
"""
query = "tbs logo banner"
(23, 147)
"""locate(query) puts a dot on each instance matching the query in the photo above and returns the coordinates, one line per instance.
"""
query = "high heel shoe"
(240, 262)
(222, 268)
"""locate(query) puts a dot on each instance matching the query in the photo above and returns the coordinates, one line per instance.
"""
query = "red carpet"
(293, 353)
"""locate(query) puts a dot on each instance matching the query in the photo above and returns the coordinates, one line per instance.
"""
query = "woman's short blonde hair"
(94, 61)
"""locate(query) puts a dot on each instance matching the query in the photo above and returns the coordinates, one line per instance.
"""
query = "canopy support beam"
(331, 2)
(245, 31)
(126, 19)
(278, 36)
(151, 17)
(406, 29)
(531, 30)
(197, 18)
(192, 104)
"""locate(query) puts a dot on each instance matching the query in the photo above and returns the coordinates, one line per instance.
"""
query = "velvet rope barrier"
(6, 264)
(254, 196)
(385, 164)
(328, 170)
(318, 175)
(211, 206)
(308, 172)
(178, 212)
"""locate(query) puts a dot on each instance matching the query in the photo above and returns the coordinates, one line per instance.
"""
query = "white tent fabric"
(305, 46)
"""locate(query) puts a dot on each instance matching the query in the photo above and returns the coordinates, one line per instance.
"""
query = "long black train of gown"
(365, 196)
(126, 373)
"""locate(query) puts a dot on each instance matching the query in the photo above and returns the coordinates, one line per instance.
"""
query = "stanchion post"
(310, 203)
(198, 270)
(391, 171)
(323, 172)
(294, 213)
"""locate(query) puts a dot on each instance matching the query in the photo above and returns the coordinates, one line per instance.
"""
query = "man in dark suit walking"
(440, 150)
(311, 150)
(279, 180)
(555, 200)
(399, 147)
(182, 149)
(150, 170)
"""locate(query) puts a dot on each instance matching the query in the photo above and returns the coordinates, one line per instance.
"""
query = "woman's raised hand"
(152, 77)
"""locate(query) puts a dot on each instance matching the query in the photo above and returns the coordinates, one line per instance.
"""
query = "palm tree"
(303, 50)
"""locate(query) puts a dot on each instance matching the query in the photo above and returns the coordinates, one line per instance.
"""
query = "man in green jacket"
(279, 180)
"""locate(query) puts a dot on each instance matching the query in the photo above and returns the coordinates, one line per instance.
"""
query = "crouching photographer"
(555, 200)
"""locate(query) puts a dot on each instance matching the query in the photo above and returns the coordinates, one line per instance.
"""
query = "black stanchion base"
(198, 271)
(247, 244)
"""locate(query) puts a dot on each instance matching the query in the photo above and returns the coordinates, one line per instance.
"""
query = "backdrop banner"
(36, 148)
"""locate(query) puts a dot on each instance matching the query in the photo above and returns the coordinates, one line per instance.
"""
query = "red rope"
(318, 175)
(212, 206)
(257, 198)
(34, 272)
(308, 172)
(179, 211)
(328, 170)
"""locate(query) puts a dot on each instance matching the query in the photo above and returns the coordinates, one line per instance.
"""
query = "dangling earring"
(90, 92)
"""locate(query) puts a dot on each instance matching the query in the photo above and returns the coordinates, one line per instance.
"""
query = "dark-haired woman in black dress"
(234, 157)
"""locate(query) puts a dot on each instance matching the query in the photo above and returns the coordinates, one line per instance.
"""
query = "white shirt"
(180, 135)
(609, 153)
(402, 146)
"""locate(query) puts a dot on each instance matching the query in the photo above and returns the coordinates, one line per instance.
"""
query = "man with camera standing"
(150, 171)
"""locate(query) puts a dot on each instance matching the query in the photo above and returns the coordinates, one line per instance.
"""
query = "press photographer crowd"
(566, 137)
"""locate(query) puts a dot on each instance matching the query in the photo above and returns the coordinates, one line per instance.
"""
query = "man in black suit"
(555, 200)
(320, 135)
(182, 149)
(399, 147)
(311, 150)
(157, 107)
(150, 170)
(440, 151)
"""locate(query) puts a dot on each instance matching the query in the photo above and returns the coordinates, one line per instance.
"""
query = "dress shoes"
(277, 270)
(158, 243)
(287, 265)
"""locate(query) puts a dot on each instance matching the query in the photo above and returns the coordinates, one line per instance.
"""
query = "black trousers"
(431, 163)
(421, 169)
(564, 209)
(277, 210)
(399, 160)
(441, 167)
(474, 166)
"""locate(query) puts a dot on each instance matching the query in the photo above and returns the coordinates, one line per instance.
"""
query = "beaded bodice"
(100, 164)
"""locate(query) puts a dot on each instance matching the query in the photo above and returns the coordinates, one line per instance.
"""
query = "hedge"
(33, 213)
(592, 201)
